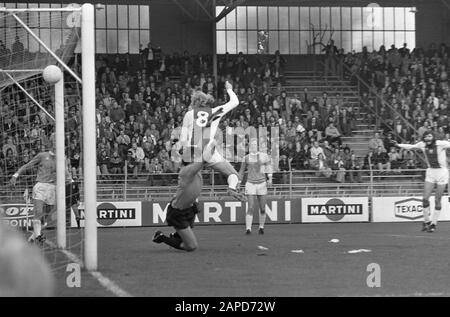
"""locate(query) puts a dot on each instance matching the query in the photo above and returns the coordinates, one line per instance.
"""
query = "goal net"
(38, 114)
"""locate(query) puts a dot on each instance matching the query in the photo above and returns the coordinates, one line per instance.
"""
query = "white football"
(52, 74)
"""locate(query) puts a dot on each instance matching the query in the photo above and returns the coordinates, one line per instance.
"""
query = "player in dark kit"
(73, 200)
(436, 174)
(199, 124)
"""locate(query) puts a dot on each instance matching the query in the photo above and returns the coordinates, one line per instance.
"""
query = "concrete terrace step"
(297, 81)
(354, 143)
(305, 83)
(318, 83)
(365, 131)
(349, 95)
(307, 74)
(358, 141)
(321, 86)
(321, 89)
(318, 80)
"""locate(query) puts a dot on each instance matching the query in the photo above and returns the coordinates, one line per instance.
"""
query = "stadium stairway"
(297, 80)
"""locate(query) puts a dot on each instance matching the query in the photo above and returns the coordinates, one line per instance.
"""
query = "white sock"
(262, 220)
(426, 214)
(37, 228)
(248, 221)
(233, 180)
(435, 217)
(32, 237)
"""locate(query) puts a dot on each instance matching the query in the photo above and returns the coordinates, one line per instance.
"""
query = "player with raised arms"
(436, 174)
(197, 141)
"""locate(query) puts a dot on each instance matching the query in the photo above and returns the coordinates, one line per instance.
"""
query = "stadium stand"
(140, 106)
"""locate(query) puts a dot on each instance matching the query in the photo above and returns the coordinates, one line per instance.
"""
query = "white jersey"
(435, 155)
(205, 118)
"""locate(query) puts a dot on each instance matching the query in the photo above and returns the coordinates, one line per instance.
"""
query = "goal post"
(89, 134)
(23, 71)
(60, 165)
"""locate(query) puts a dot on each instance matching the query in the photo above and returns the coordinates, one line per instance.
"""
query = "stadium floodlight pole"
(60, 165)
(71, 72)
(28, 95)
(89, 135)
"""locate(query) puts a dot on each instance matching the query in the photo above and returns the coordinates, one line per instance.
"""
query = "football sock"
(32, 237)
(37, 228)
(435, 217)
(426, 214)
(262, 219)
(233, 180)
(248, 221)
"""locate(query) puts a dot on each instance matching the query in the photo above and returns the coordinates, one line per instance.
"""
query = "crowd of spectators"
(141, 102)
(414, 89)
(405, 91)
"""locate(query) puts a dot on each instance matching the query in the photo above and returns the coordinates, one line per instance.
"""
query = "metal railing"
(286, 184)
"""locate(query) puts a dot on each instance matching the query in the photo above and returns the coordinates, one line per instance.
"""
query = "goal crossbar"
(20, 70)
(66, 9)
(67, 68)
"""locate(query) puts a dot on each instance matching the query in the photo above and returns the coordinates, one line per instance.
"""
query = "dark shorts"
(181, 219)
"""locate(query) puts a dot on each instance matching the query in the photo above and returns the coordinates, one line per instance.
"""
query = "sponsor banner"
(114, 214)
(17, 215)
(405, 209)
(225, 212)
(348, 209)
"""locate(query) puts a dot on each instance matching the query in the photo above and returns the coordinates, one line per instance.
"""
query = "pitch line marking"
(412, 236)
(103, 280)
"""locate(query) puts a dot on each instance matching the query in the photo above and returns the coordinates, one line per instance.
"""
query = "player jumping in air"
(44, 192)
(258, 178)
(198, 145)
(436, 174)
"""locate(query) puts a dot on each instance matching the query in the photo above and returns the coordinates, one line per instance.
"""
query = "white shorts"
(45, 192)
(256, 189)
(437, 176)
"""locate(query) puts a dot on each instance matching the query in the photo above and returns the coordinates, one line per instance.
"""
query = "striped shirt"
(435, 155)
(207, 120)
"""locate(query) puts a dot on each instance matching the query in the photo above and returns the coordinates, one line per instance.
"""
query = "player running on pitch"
(259, 177)
(436, 174)
(199, 125)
